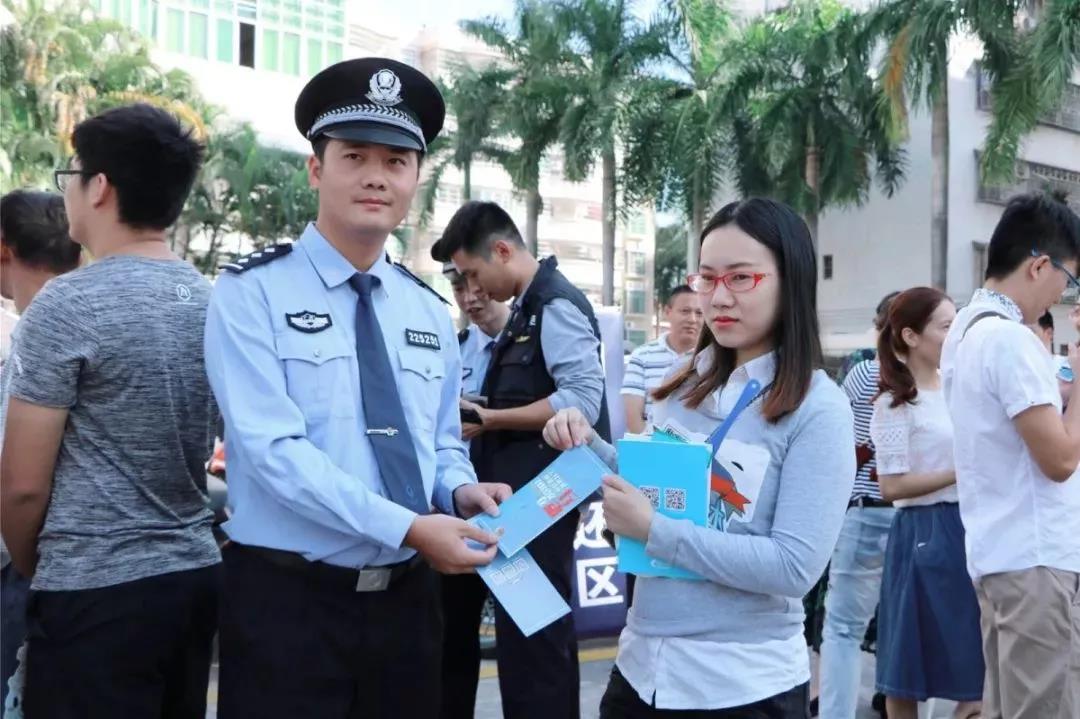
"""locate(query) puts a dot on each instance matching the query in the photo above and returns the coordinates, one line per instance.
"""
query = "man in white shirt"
(650, 362)
(1016, 454)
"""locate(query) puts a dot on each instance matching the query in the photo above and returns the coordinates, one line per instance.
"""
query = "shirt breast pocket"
(420, 383)
(318, 373)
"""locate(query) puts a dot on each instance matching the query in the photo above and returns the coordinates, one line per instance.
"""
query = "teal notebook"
(674, 475)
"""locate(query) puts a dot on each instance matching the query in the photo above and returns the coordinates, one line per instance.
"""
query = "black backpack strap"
(979, 318)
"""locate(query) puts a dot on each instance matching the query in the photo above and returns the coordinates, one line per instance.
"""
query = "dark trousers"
(538, 675)
(463, 598)
(299, 644)
(622, 702)
(13, 591)
(139, 649)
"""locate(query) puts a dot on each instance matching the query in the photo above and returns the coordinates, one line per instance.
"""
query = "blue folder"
(674, 475)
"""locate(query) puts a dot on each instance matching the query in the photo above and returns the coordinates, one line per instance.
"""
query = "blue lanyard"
(752, 392)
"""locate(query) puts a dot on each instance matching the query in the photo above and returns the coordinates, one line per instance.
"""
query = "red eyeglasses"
(737, 281)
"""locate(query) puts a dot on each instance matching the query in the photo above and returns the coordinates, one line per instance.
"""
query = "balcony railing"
(1066, 117)
(1034, 177)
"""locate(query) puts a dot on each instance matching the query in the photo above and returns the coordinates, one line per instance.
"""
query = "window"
(246, 9)
(636, 226)
(636, 337)
(290, 60)
(636, 262)
(270, 50)
(114, 9)
(827, 268)
(314, 56)
(201, 4)
(174, 30)
(125, 13)
(225, 41)
(247, 45)
(200, 41)
(333, 52)
(635, 302)
(146, 24)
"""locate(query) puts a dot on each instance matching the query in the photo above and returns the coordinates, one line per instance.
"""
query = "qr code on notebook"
(675, 499)
(653, 493)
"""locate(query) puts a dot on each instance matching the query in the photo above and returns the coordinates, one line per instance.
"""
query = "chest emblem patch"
(307, 321)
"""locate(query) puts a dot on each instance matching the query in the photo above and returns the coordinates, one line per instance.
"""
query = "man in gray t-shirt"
(119, 345)
(110, 421)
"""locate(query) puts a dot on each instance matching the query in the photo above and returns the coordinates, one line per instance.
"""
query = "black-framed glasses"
(1074, 283)
(63, 177)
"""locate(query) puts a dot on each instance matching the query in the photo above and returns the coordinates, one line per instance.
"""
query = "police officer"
(546, 359)
(463, 595)
(339, 377)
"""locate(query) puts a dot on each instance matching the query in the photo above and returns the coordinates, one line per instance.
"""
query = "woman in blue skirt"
(929, 639)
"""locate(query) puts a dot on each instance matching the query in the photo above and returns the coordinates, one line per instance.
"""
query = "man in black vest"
(546, 359)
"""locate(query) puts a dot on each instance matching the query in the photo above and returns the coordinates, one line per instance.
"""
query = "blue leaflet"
(547, 498)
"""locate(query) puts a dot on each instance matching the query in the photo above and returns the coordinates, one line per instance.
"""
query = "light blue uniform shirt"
(302, 475)
(475, 358)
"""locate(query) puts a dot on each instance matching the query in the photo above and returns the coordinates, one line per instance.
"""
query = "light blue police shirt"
(301, 472)
(475, 358)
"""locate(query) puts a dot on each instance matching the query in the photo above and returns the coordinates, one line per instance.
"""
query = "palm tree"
(1034, 86)
(678, 139)
(917, 33)
(535, 51)
(610, 48)
(58, 65)
(474, 98)
(809, 124)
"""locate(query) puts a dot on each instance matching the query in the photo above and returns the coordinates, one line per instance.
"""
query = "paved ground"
(595, 667)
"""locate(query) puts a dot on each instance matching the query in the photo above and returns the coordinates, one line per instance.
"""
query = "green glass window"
(146, 21)
(225, 42)
(200, 3)
(314, 56)
(333, 52)
(199, 35)
(635, 302)
(174, 30)
(270, 50)
(290, 60)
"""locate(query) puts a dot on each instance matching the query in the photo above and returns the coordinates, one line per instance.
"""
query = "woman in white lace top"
(929, 641)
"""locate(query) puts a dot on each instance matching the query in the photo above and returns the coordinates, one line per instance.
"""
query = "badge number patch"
(309, 322)
(416, 338)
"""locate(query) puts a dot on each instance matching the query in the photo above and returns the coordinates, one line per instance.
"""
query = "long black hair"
(796, 337)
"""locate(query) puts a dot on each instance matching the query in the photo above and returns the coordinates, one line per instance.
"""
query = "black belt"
(868, 503)
(370, 579)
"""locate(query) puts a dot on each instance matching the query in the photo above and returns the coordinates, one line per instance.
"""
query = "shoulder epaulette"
(463, 336)
(259, 257)
(404, 270)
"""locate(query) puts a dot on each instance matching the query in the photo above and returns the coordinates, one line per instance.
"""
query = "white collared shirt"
(1015, 517)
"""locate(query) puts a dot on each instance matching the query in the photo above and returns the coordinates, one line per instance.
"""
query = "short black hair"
(881, 312)
(148, 157)
(1035, 221)
(35, 227)
(1046, 322)
(473, 228)
(680, 290)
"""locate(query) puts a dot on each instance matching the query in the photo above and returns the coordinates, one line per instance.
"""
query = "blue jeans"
(854, 587)
(13, 591)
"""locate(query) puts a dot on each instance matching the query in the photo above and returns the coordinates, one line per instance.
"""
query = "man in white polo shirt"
(651, 361)
(1016, 454)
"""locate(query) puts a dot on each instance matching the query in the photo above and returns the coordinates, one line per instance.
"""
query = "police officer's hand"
(568, 429)
(627, 512)
(472, 499)
(440, 539)
(470, 430)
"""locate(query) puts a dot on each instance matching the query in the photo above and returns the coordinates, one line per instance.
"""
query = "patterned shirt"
(646, 369)
(861, 386)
